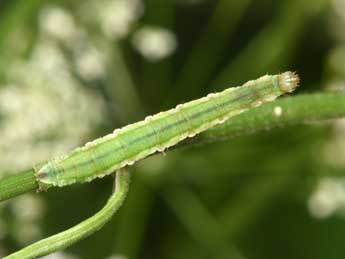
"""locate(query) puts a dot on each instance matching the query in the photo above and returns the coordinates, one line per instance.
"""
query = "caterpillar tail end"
(288, 81)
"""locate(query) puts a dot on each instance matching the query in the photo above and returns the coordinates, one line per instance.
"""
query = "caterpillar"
(156, 133)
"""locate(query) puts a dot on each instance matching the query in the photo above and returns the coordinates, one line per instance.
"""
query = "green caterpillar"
(156, 133)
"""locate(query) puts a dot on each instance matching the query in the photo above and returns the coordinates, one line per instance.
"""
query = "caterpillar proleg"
(156, 133)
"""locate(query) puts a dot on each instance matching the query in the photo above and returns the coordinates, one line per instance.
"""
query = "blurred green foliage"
(250, 197)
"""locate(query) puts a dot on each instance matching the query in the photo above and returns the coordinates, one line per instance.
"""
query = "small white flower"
(278, 111)
(154, 43)
(117, 16)
(90, 63)
(57, 22)
(328, 198)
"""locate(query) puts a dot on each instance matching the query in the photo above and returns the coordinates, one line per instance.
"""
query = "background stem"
(83, 229)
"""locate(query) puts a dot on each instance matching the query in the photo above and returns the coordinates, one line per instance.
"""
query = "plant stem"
(301, 109)
(87, 227)
(17, 184)
(292, 110)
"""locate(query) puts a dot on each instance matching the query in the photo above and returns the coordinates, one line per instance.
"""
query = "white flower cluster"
(44, 111)
(58, 24)
(328, 198)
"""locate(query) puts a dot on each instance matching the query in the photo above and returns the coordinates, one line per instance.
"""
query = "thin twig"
(82, 230)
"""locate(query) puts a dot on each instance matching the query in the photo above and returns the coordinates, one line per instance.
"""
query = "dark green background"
(243, 198)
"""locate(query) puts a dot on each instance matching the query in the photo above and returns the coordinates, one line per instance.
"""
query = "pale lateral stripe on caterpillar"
(129, 144)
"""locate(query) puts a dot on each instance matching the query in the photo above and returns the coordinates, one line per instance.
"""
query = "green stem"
(17, 184)
(294, 110)
(301, 109)
(87, 227)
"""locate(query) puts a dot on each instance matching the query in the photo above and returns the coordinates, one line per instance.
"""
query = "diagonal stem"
(82, 230)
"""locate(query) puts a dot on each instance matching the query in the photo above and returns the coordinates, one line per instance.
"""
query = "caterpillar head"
(288, 81)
